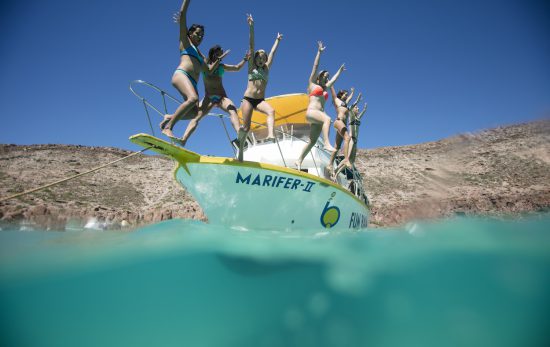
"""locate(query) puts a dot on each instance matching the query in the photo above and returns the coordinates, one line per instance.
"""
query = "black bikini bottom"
(252, 101)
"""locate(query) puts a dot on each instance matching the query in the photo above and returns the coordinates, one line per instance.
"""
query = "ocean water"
(458, 282)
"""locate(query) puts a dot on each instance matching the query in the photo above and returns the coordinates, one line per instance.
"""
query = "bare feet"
(174, 139)
(343, 164)
(329, 148)
(178, 141)
(168, 132)
(165, 121)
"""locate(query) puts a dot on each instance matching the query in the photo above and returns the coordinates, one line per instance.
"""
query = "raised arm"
(359, 98)
(250, 21)
(334, 96)
(182, 19)
(211, 66)
(336, 75)
(350, 96)
(273, 50)
(363, 111)
(239, 65)
(320, 49)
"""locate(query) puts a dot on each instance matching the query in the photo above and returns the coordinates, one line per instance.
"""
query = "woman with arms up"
(315, 114)
(215, 94)
(340, 101)
(355, 122)
(254, 96)
(187, 74)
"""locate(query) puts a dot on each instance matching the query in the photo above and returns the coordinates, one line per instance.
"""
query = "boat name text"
(275, 181)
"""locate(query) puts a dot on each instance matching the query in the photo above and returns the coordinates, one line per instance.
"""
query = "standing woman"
(340, 101)
(355, 122)
(215, 94)
(187, 74)
(315, 114)
(254, 96)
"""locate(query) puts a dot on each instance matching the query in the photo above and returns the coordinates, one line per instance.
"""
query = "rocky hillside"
(133, 192)
(498, 171)
(494, 172)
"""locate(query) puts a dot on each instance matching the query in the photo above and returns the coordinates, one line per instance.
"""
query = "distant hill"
(494, 172)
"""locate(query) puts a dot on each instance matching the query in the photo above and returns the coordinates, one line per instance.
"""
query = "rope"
(72, 177)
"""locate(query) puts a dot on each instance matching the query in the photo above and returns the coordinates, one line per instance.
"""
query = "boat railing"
(356, 180)
(165, 95)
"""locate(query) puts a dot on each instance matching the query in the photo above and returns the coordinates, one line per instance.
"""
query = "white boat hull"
(252, 195)
(257, 198)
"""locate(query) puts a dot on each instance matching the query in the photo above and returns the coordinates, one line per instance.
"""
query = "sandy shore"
(500, 171)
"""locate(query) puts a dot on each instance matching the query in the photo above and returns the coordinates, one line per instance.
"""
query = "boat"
(264, 191)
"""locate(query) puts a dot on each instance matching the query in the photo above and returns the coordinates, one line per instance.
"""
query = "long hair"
(212, 52)
(340, 93)
(321, 74)
(257, 54)
(193, 28)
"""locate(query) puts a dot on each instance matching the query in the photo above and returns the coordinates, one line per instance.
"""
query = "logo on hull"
(330, 215)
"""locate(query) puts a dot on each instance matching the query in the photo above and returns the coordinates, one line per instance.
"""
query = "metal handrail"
(162, 93)
(165, 95)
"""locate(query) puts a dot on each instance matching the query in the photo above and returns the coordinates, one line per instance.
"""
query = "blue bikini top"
(219, 71)
(192, 52)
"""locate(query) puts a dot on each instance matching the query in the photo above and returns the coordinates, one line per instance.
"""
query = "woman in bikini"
(215, 94)
(355, 122)
(341, 102)
(254, 96)
(187, 74)
(315, 114)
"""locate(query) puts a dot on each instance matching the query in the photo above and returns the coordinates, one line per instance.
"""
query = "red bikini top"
(319, 91)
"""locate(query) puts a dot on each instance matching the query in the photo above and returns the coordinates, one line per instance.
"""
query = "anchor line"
(72, 177)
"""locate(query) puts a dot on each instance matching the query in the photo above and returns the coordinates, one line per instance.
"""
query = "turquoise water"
(460, 282)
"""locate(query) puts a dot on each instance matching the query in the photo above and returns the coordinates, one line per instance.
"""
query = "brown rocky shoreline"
(496, 172)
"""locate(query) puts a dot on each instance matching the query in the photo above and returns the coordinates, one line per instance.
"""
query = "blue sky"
(429, 68)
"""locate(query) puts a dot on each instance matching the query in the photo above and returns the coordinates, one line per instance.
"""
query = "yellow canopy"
(289, 109)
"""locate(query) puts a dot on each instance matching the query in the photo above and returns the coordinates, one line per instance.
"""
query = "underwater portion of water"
(460, 282)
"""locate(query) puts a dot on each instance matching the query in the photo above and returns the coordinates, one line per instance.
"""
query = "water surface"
(460, 282)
